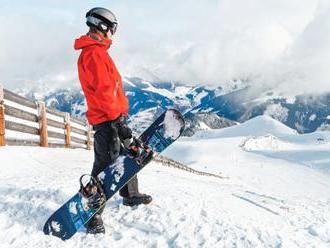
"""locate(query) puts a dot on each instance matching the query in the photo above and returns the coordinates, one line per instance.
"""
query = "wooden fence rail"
(175, 164)
(54, 128)
(2, 118)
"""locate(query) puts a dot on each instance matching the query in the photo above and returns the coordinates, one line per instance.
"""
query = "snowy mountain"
(277, 193)
(305, 113)
(237, 101)
(196, 122)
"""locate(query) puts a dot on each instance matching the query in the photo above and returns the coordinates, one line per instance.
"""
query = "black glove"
(124, 132)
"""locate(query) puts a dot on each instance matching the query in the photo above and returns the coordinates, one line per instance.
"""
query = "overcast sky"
(277, 42)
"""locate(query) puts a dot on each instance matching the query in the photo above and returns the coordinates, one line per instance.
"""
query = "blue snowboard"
(74, 214)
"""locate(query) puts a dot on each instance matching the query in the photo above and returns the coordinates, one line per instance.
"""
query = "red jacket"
(100, 80)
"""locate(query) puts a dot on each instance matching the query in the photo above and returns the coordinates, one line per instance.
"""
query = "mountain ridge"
(234, 102)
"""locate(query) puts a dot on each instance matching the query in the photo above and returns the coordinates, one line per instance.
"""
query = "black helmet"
(103, 19)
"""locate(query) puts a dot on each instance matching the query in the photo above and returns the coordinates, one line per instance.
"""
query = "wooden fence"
(24, 122)
(175, 164)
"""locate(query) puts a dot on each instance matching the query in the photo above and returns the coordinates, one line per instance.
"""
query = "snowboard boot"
(91, 189)
(95, 225)
(137, 199)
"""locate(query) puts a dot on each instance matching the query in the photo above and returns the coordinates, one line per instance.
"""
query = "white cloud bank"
(282, 43)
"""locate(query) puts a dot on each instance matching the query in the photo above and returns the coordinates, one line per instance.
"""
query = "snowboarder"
(106, 103)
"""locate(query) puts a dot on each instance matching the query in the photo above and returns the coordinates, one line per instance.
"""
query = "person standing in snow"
(107, 105)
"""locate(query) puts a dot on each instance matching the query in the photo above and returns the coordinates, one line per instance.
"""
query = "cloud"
(282, 43)
(35, 45)
(305, 65)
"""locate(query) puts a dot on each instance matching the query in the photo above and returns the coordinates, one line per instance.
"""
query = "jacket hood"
(86, 41)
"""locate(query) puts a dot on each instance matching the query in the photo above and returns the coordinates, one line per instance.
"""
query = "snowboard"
(75, 213)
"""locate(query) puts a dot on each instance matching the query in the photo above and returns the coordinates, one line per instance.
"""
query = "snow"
(182, 91)
(130, 93)
(142, 120)
(172, 125)
(56, 226)
(312, 117)
(73, 124)
(230, 86)
(277, 111)
(118, 169)
(55, 118)
(160, 91)
(83, 137)
(200, 96)
(126, 80)
(267, 142)
(21, 107)
(10, 134)
(258, 126)
(84, 203)
(73, 208)
(202, 125)
(277, 194)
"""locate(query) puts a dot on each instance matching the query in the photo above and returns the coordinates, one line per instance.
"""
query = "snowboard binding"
(91, 189)
(141, 153)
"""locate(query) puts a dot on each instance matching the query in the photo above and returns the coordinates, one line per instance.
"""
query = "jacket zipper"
(116, 89)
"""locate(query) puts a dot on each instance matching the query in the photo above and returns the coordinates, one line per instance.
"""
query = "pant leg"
(106, 147)
(131, 188)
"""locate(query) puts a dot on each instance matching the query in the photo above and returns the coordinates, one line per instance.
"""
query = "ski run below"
(277, 193)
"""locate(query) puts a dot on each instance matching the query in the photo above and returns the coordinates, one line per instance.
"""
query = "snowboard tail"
(75, 213)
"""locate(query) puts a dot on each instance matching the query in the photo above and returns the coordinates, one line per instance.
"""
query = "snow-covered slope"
(260, 125)
(271, 199)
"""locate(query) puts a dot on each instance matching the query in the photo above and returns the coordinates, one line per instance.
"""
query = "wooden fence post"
(2, 118)
(89, 136)
(43, 130)
(67, 131)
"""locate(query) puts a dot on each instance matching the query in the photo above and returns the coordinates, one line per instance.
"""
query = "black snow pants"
(107, 148)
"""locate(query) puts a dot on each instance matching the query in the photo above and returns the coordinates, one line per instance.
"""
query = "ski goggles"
(103, 26)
